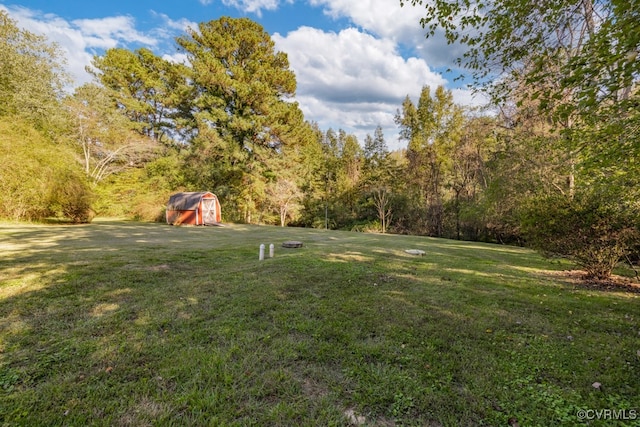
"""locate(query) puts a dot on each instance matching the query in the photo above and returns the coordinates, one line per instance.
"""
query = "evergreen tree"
(375, 149)
(241, 81)
(152, 92)
(241, 109)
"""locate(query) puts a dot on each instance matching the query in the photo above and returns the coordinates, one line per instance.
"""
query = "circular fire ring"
(292, 244)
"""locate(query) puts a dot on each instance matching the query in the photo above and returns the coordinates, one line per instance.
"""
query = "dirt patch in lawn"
(578, 280)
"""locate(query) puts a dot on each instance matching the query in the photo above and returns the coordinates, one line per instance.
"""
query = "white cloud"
(74, 45)
(388, 20)
(384, 17)
(468, 98)
(180, 25)
(111, 31)
(249, 6)
(351, 79)
(81, 39)
(167, 29)
(177, 58)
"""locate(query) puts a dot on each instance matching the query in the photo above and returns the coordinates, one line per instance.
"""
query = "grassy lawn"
(123, 323)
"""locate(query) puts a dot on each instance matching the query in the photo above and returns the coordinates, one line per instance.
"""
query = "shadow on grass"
(133, 324)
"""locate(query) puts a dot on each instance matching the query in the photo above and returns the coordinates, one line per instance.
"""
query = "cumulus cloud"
(165, 32)
(170, 26)
(250, 6)
(81, 39)
(75, 47)
(351, 79)
(109, 32)
(356, 79)
(388, 20)
(352, 65)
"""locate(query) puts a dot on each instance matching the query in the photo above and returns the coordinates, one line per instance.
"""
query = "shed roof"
(186, 201)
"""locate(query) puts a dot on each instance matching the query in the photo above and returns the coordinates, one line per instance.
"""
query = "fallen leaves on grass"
(578, 279)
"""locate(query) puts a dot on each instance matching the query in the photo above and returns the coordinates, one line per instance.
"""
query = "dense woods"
(554, 164)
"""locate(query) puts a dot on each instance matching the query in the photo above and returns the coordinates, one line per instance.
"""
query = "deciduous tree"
(39, 178)
(431, 130)
(31, 75)
(575, 62)
(104, 134)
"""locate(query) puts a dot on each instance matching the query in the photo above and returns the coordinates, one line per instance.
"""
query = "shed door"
(208, 211)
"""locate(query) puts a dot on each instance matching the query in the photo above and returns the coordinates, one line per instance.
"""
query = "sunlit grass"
(124, 323)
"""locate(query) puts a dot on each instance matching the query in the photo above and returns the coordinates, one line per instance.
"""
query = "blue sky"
(355, 60)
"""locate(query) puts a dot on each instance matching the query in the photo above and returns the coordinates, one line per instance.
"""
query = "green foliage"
(104, 136)
(152, 92)
(375, 148)
(245, 123)
(31, 79)
(71, 196)
(141, 193)
(568, 127)
(585, 49)
(39, 179)
(571, 63)
(241, 81)
(596, 230)
(432, 130)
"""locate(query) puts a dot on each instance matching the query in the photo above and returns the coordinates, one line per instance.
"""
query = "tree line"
(555, 166)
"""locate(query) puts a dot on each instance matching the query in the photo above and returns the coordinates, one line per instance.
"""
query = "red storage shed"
(193, 208)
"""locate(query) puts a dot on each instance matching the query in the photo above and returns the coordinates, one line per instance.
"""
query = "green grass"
(124, 323)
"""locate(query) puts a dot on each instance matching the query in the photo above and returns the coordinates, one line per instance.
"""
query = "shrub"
(596, 230)
(140, 194)
(39, 178)
(70, 197)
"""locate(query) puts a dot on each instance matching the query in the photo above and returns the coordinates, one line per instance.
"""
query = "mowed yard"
(121, 323)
